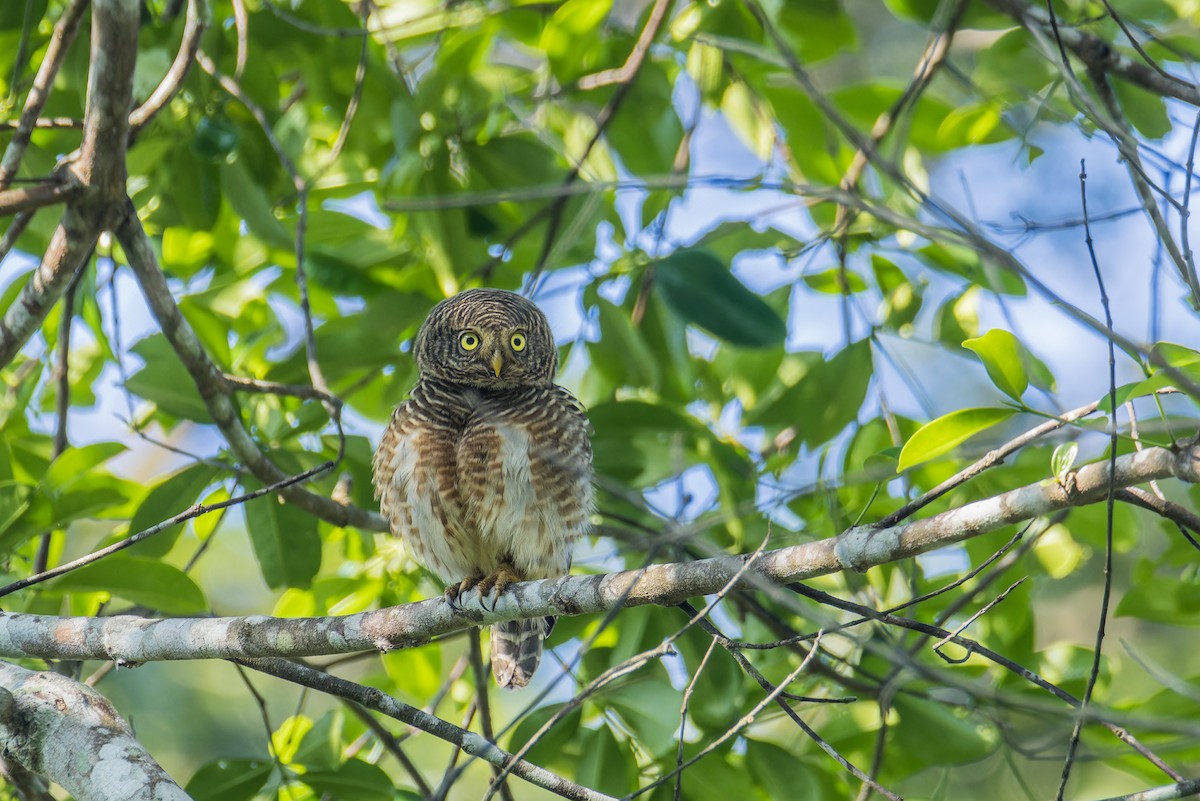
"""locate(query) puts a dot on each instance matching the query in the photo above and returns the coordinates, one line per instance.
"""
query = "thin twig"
(1110, 500)
(392, 746)
(975, 647)
(683, 710)
(481, 672)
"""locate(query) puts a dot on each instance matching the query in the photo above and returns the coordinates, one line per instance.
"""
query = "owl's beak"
(497, 362)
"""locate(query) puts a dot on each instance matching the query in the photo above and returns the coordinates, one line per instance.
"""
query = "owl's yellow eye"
(517, 342)
(468, 341)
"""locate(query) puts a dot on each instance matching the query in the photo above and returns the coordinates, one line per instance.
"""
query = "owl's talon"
(493, 586)
(454, 592)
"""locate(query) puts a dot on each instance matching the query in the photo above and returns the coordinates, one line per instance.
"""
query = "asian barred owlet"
(485, 471)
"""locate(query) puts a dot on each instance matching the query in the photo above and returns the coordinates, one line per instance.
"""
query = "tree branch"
(197, 22)
(1099, 54)
(97, 168)
(65, 731)
(64, 33)
(28, 198)
(215, 390)
(128, 639)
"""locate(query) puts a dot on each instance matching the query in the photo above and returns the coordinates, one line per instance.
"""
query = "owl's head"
(487, 338)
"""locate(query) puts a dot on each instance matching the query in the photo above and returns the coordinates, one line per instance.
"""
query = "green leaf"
(621, 353)
(701, 290)
(1146, 110)
(319, 747)
(1003, 356)
(285, 540)
(354, 781)
(940, 436)
(216, 138)
(960, 739)
(547, 750)
(606, 766)
(781, 774)
(176, 494)
(15, 498)
(1057, 552)
(228, 780)
(571, 37)
(74, 463)
(1063, 459)
(142, 580)
(165, 382)
(650, 708)
(831, 282)
(825, 399)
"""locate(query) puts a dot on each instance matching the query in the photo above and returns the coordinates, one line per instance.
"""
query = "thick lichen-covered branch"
(94, 175)
(61, 729)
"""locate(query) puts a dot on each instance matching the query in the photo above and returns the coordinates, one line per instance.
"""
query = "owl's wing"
(413, 477)
(524, 479)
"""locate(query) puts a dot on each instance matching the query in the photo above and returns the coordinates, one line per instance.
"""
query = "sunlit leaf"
(1002, 354)
(939, 437)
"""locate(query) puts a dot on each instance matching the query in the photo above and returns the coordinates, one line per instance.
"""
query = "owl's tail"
(517, 650)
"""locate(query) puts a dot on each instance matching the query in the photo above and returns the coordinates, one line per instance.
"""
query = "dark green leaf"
(354, 781)
(701, 290)
(547, 750)
(165, 382)
(176, 494)
(216, 138)
(825, 399)
(606, 766)
(285, 541)
(139, 579)
(228, 780)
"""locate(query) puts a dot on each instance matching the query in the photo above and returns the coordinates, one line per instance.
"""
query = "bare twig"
(629, 72)
(1109, 501)
(1097, 53)
(481, 672)
(999, 659)
(392, 745)
(992, 458)
(26, 199)
(1182, 789)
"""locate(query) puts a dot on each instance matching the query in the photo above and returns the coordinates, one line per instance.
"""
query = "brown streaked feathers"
(485, 471)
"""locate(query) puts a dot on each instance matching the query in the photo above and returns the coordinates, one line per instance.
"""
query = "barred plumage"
(485, 471)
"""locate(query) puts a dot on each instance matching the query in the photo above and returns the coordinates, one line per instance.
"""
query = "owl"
(486, 470)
